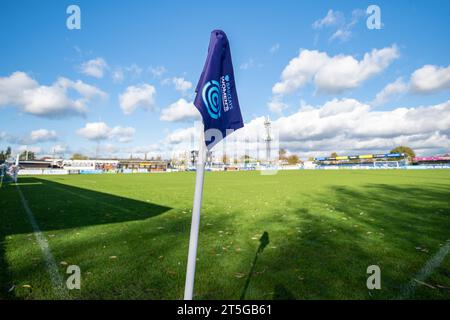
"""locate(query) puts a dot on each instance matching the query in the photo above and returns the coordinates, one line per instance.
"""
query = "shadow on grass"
(326, 253)
(319, 250)
(263, 242)
(57, 207)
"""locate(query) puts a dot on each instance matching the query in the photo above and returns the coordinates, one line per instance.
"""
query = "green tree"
(334, 155)
(293, 159)
(27, 155)
(282, 154)
(78, 156)
(4, 155)
(225, 159)
(404, 149)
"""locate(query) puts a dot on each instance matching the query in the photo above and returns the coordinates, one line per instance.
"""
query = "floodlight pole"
(195, 224)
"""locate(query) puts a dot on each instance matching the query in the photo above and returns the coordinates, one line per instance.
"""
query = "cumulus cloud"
(334, 74)
(354, 119)
(180, 84)
(34, 137)
(184, 136)
(396, 88)
(430, 79)
(346, 126)
(120, 73)
(94, 68)
(425, 80)
(53, 101)
(137, 96)
(180, 110)
(97, 131)
(43, 135)
(276, 104)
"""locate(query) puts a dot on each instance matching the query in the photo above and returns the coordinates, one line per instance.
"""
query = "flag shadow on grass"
(382, 224)
(263, 242)
(58, 206)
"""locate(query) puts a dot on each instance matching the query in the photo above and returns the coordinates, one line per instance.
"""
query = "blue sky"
(160, 44)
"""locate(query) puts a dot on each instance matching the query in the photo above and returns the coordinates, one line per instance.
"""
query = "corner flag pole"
(195, 224)
(16, 169)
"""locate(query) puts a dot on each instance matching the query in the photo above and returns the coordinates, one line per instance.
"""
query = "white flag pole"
(195, 224)
(16, 169)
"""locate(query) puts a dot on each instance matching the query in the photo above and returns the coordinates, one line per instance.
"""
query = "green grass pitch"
(129, 234)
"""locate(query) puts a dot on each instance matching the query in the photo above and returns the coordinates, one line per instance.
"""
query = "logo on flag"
(216, 97)
(211, 98)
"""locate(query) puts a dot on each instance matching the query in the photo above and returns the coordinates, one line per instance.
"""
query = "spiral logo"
(212, 98)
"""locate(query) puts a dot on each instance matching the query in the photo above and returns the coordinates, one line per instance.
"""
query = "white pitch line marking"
(425, 272)
(55, 277)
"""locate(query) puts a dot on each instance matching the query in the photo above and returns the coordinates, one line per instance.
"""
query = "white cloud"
(97, 131)
(134, 70)
(94, 68)
(180, 84)
(341, 34)
(426, 80)
(334, 74)
(346, 126)
(184, 136)
(430, 78)
(137, 96)
(332, 18)
(276, 105)
(53, 101)
(120, 73)
(391, 90)
(180, 110)
(337, 20)
(43, 135)
(123, 134)
(158, 71)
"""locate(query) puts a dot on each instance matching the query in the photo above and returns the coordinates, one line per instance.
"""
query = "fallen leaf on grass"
(239, 275)
(64, 263)
(113, 257)
(424, 284)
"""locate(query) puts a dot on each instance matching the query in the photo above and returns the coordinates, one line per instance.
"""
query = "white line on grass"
(55, 277)
(425, 272)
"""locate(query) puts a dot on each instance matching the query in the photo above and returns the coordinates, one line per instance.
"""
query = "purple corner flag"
(216, 96)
